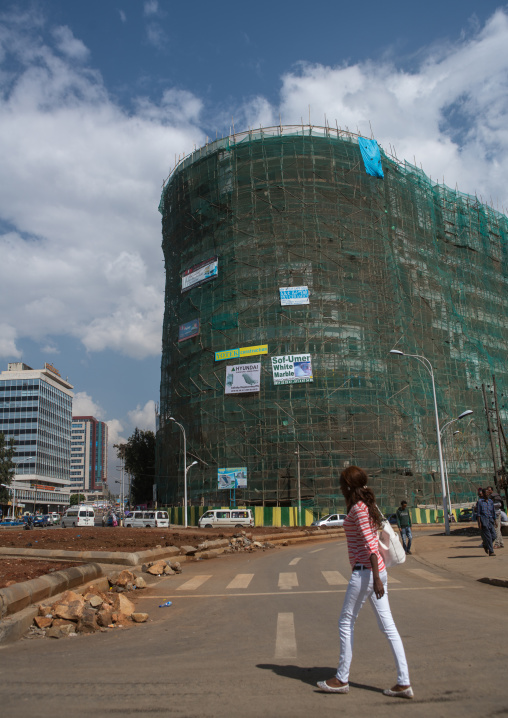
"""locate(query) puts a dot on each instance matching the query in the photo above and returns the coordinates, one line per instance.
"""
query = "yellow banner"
(242, 352)
(252, 351)
(227, 354)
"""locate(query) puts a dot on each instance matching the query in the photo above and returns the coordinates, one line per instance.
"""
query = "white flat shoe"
(406, 693)
(332, 689)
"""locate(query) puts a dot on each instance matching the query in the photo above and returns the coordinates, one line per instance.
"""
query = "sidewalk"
(462, 555)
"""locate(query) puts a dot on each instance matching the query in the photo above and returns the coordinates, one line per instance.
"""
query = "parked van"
(147, 519)
(226, 517)
(78, 516)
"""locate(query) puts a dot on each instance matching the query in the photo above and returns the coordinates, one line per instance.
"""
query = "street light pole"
(446, 476)
(185, 469)
(22, 461)
(428, 366)
(449, 423)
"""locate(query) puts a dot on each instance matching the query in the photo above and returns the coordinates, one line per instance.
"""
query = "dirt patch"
(119, 539)
(14, 570)
(102, 539)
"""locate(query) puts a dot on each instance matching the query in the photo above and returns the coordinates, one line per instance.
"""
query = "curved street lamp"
(21, 461)
(467, 412)
(428, 366)
(186, 468)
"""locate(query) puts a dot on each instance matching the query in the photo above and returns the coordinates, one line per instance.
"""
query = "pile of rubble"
(162, 568)
(73, 613)
(242, 542)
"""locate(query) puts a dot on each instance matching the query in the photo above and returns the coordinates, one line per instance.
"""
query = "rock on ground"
(139, 617)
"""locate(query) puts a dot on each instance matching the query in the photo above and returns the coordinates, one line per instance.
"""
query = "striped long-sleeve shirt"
(361, 535)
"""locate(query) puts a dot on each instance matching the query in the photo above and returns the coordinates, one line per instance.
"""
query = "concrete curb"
(116, 557)
(135, 559)
(20, 595)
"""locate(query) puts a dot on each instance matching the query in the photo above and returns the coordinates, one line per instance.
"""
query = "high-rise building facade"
(36, 411)
(291, 274)
(89, 454)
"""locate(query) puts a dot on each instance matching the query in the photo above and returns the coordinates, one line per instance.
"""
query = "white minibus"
(78, 516)
(226, 517)
(147, 519)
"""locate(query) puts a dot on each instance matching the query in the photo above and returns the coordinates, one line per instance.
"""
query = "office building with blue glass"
(36, 410)
(89, 456)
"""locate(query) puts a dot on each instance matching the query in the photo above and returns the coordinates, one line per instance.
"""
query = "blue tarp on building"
(371, 157)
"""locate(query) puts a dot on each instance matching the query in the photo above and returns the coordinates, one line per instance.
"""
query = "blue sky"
(97, 98)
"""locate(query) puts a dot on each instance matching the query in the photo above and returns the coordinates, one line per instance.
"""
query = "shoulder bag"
(390, 546)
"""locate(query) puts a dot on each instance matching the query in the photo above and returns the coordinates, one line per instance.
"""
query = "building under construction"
(291, 272)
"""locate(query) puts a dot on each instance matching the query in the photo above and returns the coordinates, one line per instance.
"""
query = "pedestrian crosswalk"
(241, 580)
(288, 581)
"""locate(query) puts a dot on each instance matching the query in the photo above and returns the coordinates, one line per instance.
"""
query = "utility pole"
(500, 437)
(489, 425)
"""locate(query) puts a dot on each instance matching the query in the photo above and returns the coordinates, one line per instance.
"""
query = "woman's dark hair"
(353, 483)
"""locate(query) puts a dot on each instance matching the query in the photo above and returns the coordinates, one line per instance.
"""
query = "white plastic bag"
(390, 546)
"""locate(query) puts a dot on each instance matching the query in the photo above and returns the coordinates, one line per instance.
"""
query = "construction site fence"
(288, 515)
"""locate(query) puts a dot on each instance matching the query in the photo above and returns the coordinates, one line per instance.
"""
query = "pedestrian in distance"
(403, 516)
(498, 507)
(368, 581)
(487, 522)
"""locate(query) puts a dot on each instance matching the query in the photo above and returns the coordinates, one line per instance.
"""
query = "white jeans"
(360, 588)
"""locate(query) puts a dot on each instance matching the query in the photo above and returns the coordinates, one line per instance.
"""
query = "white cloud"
(151, 7)
(143, 417)
(115, 431)
(156, 35)
(451, 113)
(81, 176)
(8, 346)
(84, 405)
(123, 16)
(81, 181)
(50, 349)
(69, 45)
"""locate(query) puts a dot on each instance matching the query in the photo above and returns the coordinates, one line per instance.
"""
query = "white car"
(331, 521)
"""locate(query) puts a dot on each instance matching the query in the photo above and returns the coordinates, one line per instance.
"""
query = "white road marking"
(241, 580)
(295, 561)
(317, 549)
(168, 596)
(285, 642)
(427, 575)
(334, 578)
(287, 581)
(193, 584)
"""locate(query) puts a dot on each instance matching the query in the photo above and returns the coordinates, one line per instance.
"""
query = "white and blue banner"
(232, 478)
(293, 295)
(292, 369)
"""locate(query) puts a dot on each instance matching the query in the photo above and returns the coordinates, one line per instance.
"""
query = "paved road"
(250, 636)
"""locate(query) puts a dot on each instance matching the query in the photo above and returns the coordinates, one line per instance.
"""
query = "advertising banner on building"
(232, 478)
(202, 272)
(242, 352)
(292, 369)
(188, 330)
(243, 378)
(293, 295)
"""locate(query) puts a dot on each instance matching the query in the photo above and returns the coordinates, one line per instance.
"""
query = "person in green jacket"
(403, 516)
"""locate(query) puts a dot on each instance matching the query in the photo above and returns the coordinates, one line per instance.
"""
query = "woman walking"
(368, 580)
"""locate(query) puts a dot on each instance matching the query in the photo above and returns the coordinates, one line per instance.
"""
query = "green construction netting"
(398, 262)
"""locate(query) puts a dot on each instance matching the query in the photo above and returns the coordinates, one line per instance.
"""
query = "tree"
(138, 455)
(76, 499)
(7, 466)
